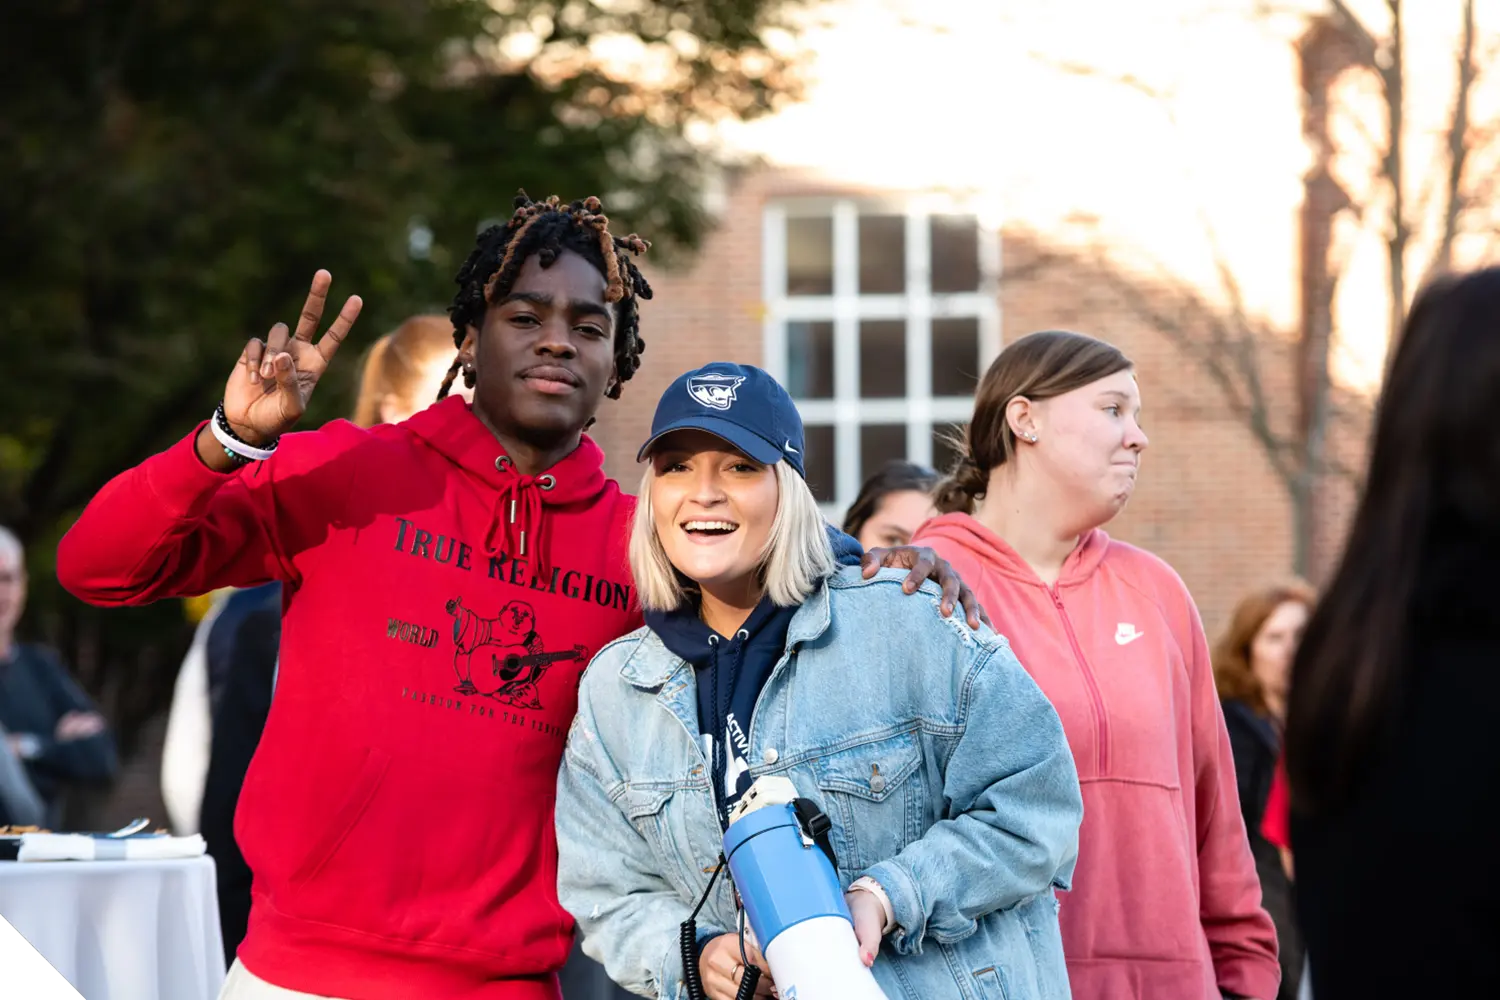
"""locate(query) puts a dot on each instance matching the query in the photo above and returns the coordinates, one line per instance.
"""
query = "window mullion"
(918, 336)
(990, 333)
(773, 292)
(846, 350)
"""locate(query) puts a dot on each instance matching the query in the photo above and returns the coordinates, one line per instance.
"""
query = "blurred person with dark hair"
(50, 725)
(1252, 667)
(250, 651)
(446, 580)
(1165, 902)
(1395, 701)
(891, 505)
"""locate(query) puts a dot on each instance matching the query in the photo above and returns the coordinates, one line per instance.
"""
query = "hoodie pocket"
(1134, 895)
(873, 793)
(362, 790)
(417, 850)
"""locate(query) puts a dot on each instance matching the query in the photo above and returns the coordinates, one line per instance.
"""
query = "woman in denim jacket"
(953, 795)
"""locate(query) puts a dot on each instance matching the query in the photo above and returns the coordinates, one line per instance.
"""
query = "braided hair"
(546, 229)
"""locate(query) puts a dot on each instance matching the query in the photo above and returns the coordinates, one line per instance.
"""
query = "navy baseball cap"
(741, 404)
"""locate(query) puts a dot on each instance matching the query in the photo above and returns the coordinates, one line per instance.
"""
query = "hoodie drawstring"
(518, 513)
(723, 693)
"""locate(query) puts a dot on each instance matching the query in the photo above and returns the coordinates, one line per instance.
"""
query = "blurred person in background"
(20, 803)
(448, 578)
(184, 752)
(400, 376)
(1165, 901)
(1252, 669)
(1391, 747)
(891, 505)
(402, 372)
(50, 725)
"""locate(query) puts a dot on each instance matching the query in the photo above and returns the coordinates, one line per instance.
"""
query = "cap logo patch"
(713, 390)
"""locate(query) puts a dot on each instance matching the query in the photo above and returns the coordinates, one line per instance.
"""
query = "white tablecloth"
(121, 930)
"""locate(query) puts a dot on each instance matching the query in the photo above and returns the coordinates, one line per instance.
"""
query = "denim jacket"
(942, 766)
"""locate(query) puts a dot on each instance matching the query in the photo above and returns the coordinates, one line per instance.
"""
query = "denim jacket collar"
(652, 665)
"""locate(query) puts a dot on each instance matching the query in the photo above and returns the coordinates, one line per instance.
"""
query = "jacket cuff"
(906, 906)
(181, 482)
(670, 979)
(846, 551)
(1250, 978)
(866, 884)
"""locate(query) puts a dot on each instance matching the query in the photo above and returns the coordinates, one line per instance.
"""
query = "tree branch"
(1365, 46)
(1127, 80)
(1458, 147)
(1228, 357)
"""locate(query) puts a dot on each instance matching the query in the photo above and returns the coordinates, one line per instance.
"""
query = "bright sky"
(1185, 125)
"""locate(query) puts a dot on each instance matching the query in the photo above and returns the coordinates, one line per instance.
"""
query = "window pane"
(809, 362)
(818, 460)
(809, 256)
(878, 444)
(943, 452)
(955, 356)
(882, 358)
(882, 254)
(955, 253)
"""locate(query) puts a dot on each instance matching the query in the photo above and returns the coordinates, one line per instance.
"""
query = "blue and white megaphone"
(793, 899)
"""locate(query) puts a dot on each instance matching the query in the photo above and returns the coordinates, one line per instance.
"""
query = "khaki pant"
(242, 984)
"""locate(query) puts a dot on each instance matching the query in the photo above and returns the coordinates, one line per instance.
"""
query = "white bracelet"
(866, 884)
(238, 447)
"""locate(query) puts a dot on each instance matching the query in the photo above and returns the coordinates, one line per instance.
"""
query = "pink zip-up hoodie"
(1165, 902)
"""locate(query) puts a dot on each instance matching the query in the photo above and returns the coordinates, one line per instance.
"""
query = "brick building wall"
(1208, 500)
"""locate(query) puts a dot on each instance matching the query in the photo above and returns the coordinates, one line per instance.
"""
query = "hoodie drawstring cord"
(518, 513)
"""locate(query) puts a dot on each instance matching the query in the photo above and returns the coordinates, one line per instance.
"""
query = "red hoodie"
(398, 814)
(1165, 902)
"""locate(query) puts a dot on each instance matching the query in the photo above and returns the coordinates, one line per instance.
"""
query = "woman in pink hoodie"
(1165, 902)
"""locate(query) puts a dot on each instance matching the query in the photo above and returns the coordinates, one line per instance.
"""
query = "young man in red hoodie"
(446, 580)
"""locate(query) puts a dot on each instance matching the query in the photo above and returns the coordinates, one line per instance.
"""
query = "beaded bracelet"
(237, 449)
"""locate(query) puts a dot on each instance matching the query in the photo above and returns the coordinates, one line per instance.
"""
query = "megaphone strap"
(816, 824)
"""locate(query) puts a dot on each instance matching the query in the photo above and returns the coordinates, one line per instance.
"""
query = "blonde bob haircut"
(797, 557)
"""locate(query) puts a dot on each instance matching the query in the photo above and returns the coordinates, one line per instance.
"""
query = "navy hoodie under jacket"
(731, 672)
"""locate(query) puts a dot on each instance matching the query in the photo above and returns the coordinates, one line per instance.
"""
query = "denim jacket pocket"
(651, 810)
(873, 794)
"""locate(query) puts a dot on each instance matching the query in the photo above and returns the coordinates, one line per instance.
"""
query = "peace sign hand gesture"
(273, 380)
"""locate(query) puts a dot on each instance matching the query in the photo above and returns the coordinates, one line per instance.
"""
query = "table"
(121, 930)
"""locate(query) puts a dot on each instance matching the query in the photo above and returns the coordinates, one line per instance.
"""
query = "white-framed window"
(880, 318)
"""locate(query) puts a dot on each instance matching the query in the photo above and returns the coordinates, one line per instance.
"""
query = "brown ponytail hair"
(1038, 366)
(393, 366)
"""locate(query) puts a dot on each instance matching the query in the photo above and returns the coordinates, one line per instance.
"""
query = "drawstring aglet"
(513, 510)
(523, 539)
